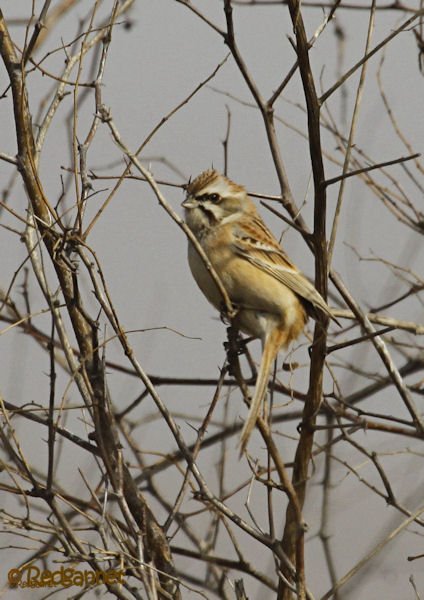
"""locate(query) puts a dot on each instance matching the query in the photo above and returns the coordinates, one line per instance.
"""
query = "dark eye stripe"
(211, 197)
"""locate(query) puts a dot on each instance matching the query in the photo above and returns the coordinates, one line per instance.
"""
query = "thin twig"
(371, 168)
(355, 116)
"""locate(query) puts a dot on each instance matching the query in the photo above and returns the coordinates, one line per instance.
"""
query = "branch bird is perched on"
(273, 297)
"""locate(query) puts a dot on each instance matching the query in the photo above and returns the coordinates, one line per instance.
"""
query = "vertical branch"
(293, 537)
(83, 147)
(76, 148)
(267, 112)
(51, 423)
(226, 140)
(326, 508)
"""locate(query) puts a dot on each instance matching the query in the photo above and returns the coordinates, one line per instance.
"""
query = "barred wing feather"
(275, 263)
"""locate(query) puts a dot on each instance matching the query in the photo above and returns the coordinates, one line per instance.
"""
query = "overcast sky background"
(152, 66)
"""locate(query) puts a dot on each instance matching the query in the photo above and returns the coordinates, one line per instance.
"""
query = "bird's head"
(212, 199)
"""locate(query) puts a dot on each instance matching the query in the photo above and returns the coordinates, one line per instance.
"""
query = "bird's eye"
(214, 197)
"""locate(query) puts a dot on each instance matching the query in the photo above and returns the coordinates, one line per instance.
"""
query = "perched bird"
(272, 296)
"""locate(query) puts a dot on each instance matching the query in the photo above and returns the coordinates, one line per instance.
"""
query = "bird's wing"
(256, 244)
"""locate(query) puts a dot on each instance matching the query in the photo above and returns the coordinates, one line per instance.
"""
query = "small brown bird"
(273, 297)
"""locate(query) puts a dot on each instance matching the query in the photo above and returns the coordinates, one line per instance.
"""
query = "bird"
(273, 299)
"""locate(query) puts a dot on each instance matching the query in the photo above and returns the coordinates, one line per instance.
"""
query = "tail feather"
(270, 350)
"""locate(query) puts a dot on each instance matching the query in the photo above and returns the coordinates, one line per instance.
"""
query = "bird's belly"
(203, 278)
(257, 322)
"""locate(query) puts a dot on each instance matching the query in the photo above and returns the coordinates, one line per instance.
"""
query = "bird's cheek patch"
(213, 211)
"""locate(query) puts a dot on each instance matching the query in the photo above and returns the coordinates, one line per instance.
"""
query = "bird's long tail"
(271, 346)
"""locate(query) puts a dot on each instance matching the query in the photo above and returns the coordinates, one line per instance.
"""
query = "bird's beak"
(190, 202)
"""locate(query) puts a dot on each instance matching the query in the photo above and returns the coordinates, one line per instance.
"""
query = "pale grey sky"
(151, 67)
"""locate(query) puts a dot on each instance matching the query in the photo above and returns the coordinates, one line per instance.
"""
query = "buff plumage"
(272, 296)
